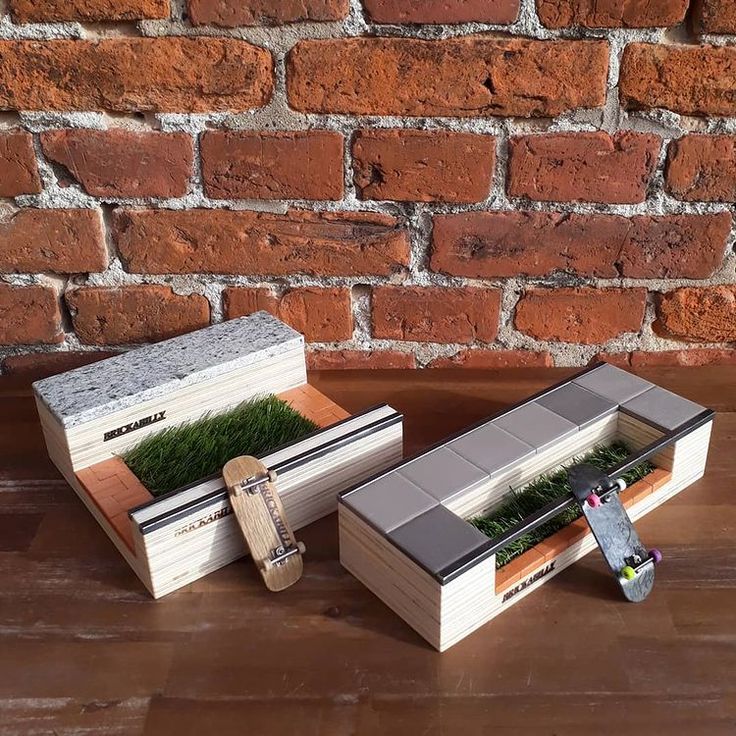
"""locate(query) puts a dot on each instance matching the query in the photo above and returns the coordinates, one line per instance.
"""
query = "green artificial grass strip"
(525, 501)
(189, 452)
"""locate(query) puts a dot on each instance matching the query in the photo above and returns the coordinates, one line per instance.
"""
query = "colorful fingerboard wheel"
(628, 572)
(593, 500)
(656, 556)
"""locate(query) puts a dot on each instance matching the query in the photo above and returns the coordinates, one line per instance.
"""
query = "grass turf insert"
(525, 501)
(189, 452)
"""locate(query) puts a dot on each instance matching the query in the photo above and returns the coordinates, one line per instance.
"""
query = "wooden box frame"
(174, 539)
(446, 606)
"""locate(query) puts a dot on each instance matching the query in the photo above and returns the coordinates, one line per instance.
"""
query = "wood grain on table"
(84, 649)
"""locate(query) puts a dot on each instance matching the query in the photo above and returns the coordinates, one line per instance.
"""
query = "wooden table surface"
(83, 649)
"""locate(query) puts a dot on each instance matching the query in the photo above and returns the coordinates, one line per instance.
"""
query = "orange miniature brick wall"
(407, 182)
(525, 564)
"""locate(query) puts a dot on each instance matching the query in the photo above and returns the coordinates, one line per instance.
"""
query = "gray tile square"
(613, 384)
(389, 501)
(443, 473)
(662, 407)
(577, 404)
(535, 425)
(491, 449)
(438, 538)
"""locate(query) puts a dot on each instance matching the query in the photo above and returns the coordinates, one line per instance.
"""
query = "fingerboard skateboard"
(597, 496)
(261, 518)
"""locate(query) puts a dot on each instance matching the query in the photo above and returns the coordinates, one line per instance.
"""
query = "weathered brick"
(589, 167)
(510, 244)
(714, 16)
(435, 314)
(60, 241)
(491, 359)
(18, 169)
(688, 358)
(259, 243)
(442, 11)
(464, 77)
(29, 314)
(611, 13)
(232, 13)
(359, 359)
(34, 366)
(321, 315)
(657, 358)
(423, 165)
(122, 163)
(698, 313)
(172, 74)
(134, 314)
(47, 11)
(265, 165)
(583, 315)
(692, 80)
(702, 168)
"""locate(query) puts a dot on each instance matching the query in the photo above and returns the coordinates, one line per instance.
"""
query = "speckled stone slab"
(96, 390)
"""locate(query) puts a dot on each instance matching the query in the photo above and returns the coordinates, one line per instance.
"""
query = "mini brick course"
(322, 158)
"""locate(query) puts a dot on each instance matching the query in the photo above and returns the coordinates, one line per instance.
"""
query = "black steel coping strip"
(286, 445)
(471, 428)
(173, 515)
(559, 504)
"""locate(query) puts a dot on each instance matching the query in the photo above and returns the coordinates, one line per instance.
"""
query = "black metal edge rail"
(558, 505)
(173, 515)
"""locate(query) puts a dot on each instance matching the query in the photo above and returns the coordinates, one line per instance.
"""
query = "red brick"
(589, 167)
(492, 359)
(232, 13)
(435, 314)
(48, 11)
(321, 315)
(258, 243)
(423, 165)
(168, 74)
(359, 359)
(122, 163)
(714, 16)
(583, 315)
(702, 168)
(692, 80)
(510, 244)
(689, 358)
(622, 360)
(263, 165)
(61, 241)
(134, 314)
(442, 11)
(474, 76)
(693, 313)
(29, 314)
(611, 13)
(18, 169)
(34, 366)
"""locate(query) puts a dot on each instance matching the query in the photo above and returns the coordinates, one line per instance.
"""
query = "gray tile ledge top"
(613, 383)
(443, 474)
(577, 404)
(389, 502)
(663, 408)
(491, 448)
(438, 539)
(144, 373)
(535, 425)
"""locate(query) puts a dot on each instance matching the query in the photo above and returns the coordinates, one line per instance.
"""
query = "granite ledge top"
(96, 390)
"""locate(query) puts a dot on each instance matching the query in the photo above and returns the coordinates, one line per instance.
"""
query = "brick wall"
(408, 182)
